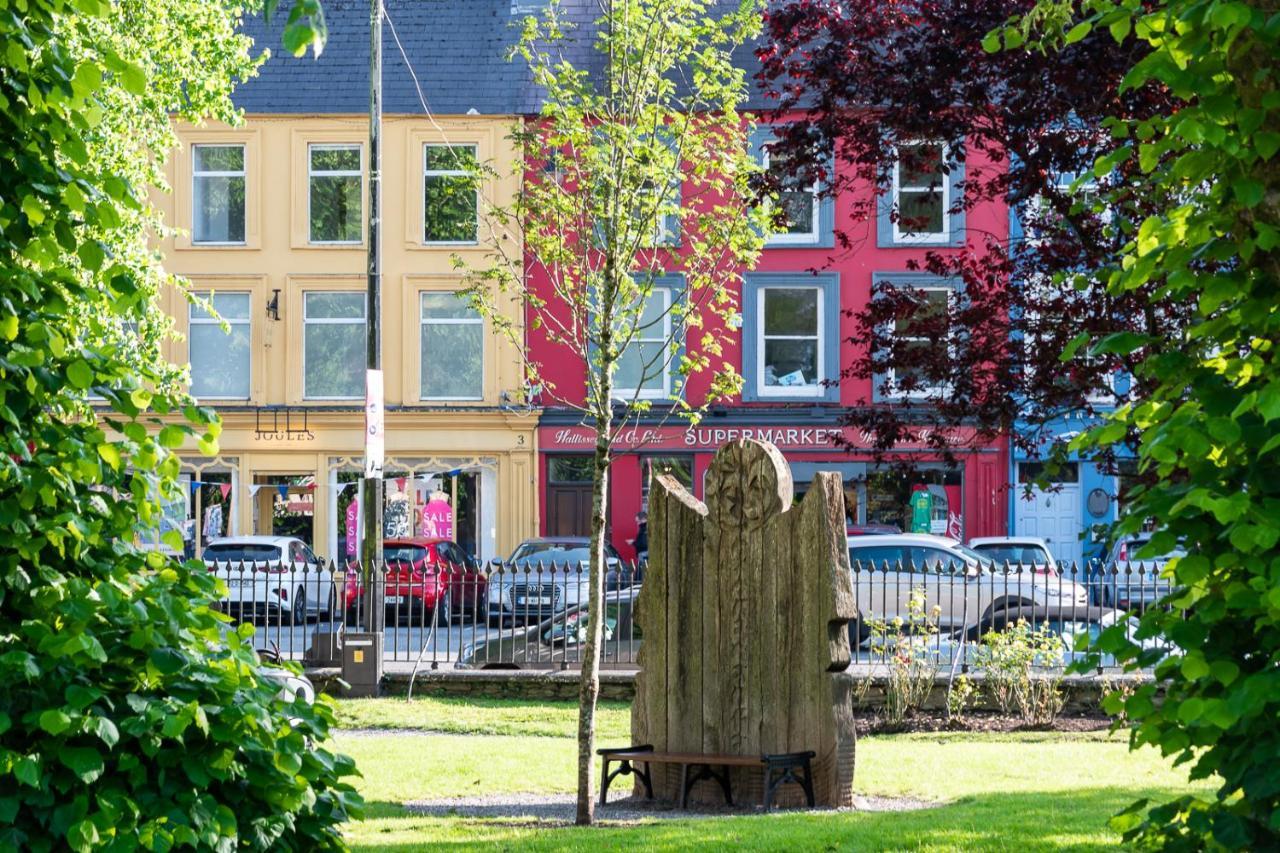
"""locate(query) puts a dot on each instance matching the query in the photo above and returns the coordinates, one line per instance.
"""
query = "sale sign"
(353, 528)
(437, 517)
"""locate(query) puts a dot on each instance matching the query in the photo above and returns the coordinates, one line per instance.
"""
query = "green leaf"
(110, 454)
(1078, 32)
(80, 374)
(27, 771)
(1266, 142)
(9, 327)
(85, 762)
(1073, 346)
(91, 255)
(55, 721)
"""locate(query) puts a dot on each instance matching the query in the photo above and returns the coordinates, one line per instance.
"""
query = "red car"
(424, 575)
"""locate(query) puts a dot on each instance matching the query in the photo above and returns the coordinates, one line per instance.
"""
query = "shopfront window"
(891, 499)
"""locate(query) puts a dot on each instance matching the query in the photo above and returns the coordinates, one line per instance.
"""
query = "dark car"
(546, 576)
(559, 640)
(425, 575)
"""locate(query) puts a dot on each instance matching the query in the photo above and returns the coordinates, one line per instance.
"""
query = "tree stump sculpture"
(743, 611)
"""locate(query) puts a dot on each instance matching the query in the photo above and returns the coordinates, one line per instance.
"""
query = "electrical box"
(362, 663)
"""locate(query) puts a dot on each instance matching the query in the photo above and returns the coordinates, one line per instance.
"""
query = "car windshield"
(981, 559)
(532, 553)
(234, 552)
(572, 628)
(403, 553)
(1136, 545)
(1013, 553)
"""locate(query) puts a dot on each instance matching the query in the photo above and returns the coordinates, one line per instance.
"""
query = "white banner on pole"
(374, 427)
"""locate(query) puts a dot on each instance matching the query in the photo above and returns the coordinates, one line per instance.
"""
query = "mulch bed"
(979, 721)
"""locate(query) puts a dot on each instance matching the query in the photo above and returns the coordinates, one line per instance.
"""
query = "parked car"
(960, 583)
(1028, 552)
(1130, 581)
(426, 575)
(870, 529)
(559, 639)
(546, 576)
(271, 576)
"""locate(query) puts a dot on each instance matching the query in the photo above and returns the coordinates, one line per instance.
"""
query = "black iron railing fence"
(535, 615)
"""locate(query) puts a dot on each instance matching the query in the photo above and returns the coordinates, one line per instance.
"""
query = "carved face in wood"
(746, 485)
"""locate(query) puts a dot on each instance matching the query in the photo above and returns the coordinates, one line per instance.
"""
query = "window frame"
(823, 236)
(327, 321)
(247, 322)
(665, 393)
(827, 389)
(790, 238)
(478, 320)
(343, 173)
(243, 174)
(441, 173)
(915, 281)
(888, 235)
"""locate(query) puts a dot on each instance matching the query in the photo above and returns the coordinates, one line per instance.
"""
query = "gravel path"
(558, 809)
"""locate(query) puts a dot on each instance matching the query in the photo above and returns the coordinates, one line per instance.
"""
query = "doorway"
(284, 505)
(569, 495)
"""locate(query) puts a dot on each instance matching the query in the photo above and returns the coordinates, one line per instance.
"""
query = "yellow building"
(272, 215)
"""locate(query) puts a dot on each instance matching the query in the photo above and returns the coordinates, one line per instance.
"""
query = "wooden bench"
(777, 770)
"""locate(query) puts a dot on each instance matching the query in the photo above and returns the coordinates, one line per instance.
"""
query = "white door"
(1053, 515)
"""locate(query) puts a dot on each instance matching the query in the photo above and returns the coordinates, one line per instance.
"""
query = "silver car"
(959, 585)
(1131, 581)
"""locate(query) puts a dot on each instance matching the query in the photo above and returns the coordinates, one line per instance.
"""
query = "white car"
(271, 576)
(961, 584)
(1017, 551)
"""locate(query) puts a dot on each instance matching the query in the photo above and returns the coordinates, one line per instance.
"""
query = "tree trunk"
(589, 688)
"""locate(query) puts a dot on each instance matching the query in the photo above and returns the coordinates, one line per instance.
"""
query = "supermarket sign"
(689, 438)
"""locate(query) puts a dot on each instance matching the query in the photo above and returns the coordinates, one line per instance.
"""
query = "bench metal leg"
(788, 765)
(705, 771)
(626, 767)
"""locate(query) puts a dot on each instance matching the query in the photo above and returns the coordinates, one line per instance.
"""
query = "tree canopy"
(129, 717)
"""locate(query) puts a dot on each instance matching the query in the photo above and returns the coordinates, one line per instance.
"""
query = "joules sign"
(710, 438)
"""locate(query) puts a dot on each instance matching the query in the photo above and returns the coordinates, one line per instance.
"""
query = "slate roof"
(457, 48)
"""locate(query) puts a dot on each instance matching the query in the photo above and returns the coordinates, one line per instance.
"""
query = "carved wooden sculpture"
(743, 612)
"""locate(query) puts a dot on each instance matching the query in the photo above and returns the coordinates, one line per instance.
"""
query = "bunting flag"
(225, 488)
(253, 490)
(195, 484)
(310, 487)
(400, 484)
(284, 492)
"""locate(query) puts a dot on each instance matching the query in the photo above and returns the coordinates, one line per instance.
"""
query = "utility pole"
(362, 651)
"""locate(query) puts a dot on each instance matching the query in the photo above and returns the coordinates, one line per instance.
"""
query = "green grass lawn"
(1002, 792)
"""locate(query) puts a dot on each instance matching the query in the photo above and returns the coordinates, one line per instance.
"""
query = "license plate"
(533, 601)
(397, 599)
(236, 583)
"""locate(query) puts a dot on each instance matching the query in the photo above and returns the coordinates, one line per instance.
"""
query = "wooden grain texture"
(743, 616)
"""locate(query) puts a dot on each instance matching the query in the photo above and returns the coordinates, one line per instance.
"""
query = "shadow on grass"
(1058, 821)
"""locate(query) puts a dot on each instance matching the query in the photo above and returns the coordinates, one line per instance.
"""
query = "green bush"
(127, 719)
(1022, 671)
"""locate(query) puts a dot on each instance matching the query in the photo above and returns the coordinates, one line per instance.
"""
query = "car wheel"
(444, 608)
(298, 613)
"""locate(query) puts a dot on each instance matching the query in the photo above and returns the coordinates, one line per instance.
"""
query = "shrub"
(910, 668)
(128, 719)
(1022, 671)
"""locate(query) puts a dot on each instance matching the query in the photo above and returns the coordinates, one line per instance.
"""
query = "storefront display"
(959, 500)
